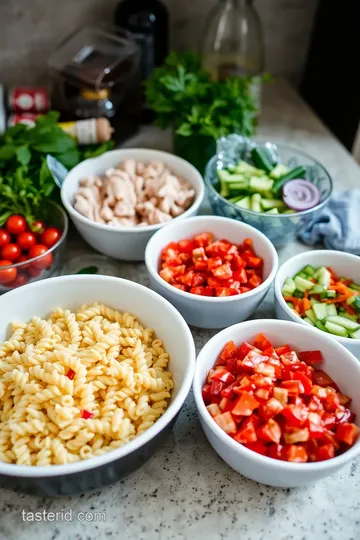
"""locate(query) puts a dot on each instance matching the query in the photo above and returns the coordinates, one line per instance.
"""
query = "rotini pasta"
(77, 385)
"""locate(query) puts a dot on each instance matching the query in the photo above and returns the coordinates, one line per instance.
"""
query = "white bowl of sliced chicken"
(117, 201)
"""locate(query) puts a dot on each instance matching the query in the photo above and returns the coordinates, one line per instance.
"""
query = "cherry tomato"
(26, 240)
(50, 236)
(21, 259)
(38, 226)
(11, 252)
(34, 272)
(20, 280)
(16, 224)
(8, 274)
(43, 262)
(4, 237)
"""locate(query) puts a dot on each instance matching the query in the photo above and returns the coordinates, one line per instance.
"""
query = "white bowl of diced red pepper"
(214, 270)
(322, 289)
(279, 402)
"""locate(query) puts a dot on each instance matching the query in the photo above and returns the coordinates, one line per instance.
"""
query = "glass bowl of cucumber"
(273, 187)
(321, 288)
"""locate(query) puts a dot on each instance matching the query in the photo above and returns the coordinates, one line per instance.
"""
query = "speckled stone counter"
(186, 491)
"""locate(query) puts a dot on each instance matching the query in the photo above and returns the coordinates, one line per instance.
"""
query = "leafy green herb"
(184, 97)
(25, 180)
(88, 270)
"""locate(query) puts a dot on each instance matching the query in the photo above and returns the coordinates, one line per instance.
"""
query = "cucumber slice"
(235, 187)
(330, 294)
(301, 274)
(331, 310)
(298, 294)
(244, 203)
(320, 326)
(355, 335)
(268, 204)
(356, 303)
(262, 158)
(336, 329)
(311, 315)
(320, 311)
(324, 277)
(344, 322)
(255, 202)
(309, 321)
(354, 287)
(260, 185)
(247, 169)
(289, 287)
(279, 171)
(309, 270)
(317, 289)
(227, 176)
(302, 283)
(235, 199)
(272, 211)
(348, 316)
(313, 301)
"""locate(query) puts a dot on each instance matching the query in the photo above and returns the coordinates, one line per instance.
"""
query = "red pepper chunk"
(246, 434)
(311, 357)
(270, 432)
(86, 414)
(296, 453)
(245, 405)
(347, 433)
(71, 374)
(226, 422)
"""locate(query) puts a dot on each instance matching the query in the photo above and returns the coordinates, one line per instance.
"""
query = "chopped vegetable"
(329, 302)
(276, 403)
(209, 267)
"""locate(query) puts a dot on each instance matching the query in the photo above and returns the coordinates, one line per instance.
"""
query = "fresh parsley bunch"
(184, 97)
(25, 180)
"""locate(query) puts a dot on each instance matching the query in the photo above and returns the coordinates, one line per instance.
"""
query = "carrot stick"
(348, 308)
(306, 304)
(306, 294)
(338, 300)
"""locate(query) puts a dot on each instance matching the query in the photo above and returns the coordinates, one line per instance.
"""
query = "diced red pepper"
(315, 425)
(257, 447)
(270, 432)
(70, 374)
(305, 381)
(265, 369)
(261, 381)
(312, 358)
(296, 415)
(245, 405)
(216, 262)
(223, 272)
(262, 393)
(290, 359)
(246, 434)
(203, 239)
(226, 404)
(180, 287)
(255, 281)
(245, 385)
(271, 408)
(222, 374)
(347, 433)
(229, 351)
(296, 435)
(214, 409)
(226, 422)
(216, 387)
(225, 291)
(202, 291)
(240, 276)
(186, 246)
(237, 262)
(245, 348)
(322, 379)
(275, 451)
(296, 453)
(206, 393)
(283, 350)
(294, 388)
(86, 414)
(327, 451)
(262, 343)
(281, 395)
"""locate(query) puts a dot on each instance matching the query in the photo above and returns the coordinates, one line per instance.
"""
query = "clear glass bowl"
(279, 228)
(45, 265)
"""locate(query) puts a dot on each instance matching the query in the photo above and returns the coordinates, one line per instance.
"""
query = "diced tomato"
(271, 408)
(283, 350)
(198, 279)
(229, 351)
(262, 393)
(225, 291)
(270, 431)
(252, 359)
(228, 391)
(237, 262)
(244, 290)
(245, 405)
(347, 433)
(332, 402)
(281, 395)
(206, 393)
(246, 434)
(327, 451)
(257, 447)
(226, 422)
(296, 415)
(296, 435)
(262, 343)
(255, 281)
(311, 357)
(271, 353)
(167, 274)
(275, 451)
(214, 409)
(295, 453)
(214, 263)
(203, 239)
(294, 388)
(315, 425)
(245, 348)
(216, 387)
(222, 374)
(252, 261)
(202, 291)
(261, 381)
(322, 379)
(223, 272)
(344, 415)
(328, 420)
(265, 369)
(240, 275)
(226, 404)
(245, 385)
(319, 391)
(200, 265)
(180, 287)
(186, 246)
(290, 359)
(305, 381)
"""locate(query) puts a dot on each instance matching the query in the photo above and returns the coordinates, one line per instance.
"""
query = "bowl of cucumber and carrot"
(275, 188)
(322, 289)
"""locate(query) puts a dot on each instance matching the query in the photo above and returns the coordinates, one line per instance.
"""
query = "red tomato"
(245, 405)
(22, 259)
(50, 236)
(26, 240)
(4, 237)
(34, 272)
(16, 224)
(38, 226)
(226, 422)
(7, 274)
(43, 262)
(11, 252)
(21, 279)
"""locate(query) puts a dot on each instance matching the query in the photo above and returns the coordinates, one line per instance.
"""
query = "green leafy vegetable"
(25, 180)
(184, 97)
(88, 270)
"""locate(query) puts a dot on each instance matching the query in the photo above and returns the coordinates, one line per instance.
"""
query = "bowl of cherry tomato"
(29, 252)
(214, 270)
(279, 402)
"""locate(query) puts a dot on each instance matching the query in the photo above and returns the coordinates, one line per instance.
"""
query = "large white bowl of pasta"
(93, 373)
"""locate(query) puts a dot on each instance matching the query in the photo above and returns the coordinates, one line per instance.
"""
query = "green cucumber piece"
(336, 329)
(244, 203)
(320, 311)
(235, 187)
(355, 335)
(313, 301)
(235, 199)
(301, 274)
(260, 184)
(356, 303)
(268, 204)
(348, 316)
(298, 294)
(330, 294)
(320, 326)
(310, 315)
(344, 322)
(309, 321)
(354, 287)
(323, 277)
(331, 310)
(297, 172)
(309, 270)
(279, 171)
(262, 159)
(248, 170)
(289, 287)
(317, 289)
(302, 283)
(272, 211)
(255, 202)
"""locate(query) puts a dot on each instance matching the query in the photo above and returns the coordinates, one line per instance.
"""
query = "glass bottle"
(233, 43)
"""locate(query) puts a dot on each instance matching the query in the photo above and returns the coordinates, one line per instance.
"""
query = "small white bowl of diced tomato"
(214, 270)
(322, 289)
(279, 401)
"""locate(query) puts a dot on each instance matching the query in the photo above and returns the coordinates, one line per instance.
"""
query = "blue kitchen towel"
(338, 224)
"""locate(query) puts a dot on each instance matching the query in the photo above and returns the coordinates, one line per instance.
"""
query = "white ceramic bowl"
(152, 311)
(342, 263)
(339, 363)
(124, 243)
(203, 311)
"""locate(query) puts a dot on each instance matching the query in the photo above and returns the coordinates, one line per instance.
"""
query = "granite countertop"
(186, 491)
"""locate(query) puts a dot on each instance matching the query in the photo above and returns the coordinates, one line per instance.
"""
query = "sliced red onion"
(301, 195)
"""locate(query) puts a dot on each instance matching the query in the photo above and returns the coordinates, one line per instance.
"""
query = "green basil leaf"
(23, 154)
(7, 152)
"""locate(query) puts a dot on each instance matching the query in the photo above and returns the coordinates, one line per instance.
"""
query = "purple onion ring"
(301, 195)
